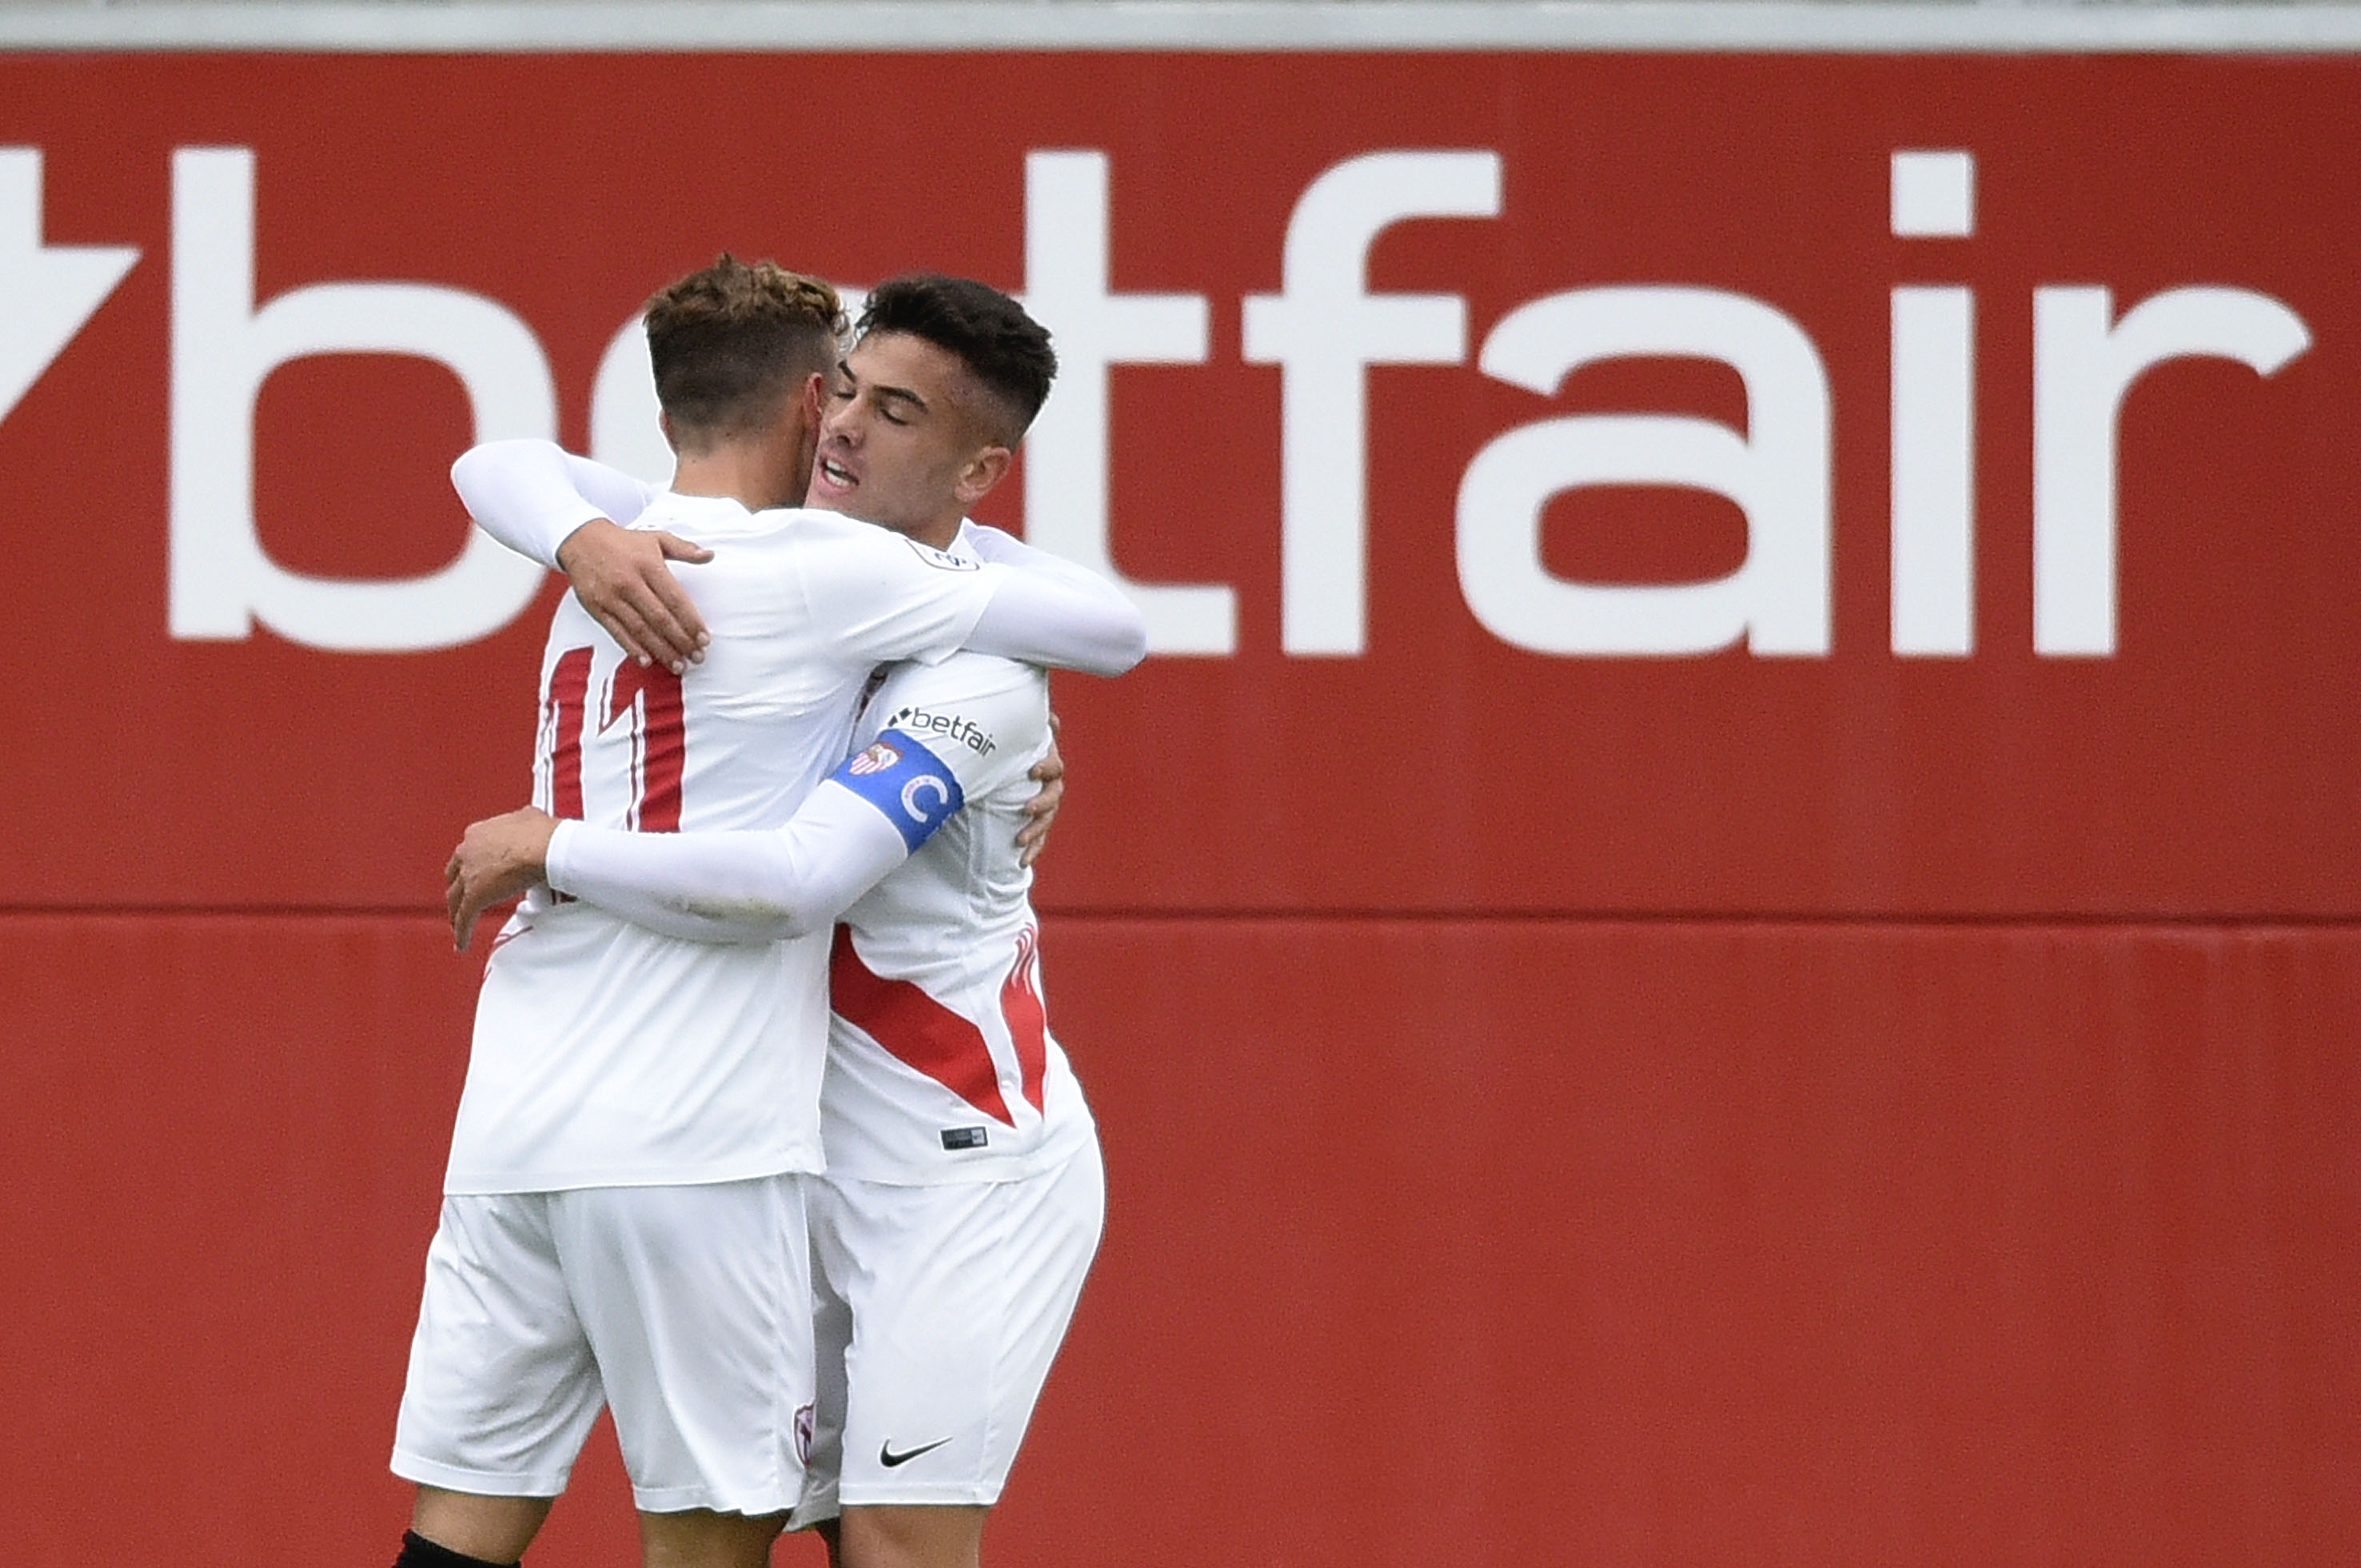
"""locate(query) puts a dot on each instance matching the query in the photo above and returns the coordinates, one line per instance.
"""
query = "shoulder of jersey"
(701, 518)
(817, 522)
(966, 673)
(813, 525)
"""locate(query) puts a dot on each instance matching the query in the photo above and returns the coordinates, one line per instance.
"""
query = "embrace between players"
(836, 712)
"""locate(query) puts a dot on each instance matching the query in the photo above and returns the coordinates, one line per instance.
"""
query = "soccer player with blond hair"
(624, 1219)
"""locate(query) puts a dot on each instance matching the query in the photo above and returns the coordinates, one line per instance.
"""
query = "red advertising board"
(1519, 424)
(1721, 930)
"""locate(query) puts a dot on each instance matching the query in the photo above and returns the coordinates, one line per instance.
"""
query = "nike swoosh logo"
(888, 1458)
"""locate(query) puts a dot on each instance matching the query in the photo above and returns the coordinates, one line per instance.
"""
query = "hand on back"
(621, 578)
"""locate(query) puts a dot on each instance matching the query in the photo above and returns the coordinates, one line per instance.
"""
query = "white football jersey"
(606, 1054)
(941, 1063)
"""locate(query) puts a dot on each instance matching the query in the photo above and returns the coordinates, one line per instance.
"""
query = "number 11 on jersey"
(650, 698)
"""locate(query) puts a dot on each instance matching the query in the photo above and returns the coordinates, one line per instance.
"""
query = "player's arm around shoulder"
(531, 495)
(1091, 624)
(570, 512)
(880, 596)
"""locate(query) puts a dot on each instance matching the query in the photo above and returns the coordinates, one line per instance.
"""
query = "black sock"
(417, 1551)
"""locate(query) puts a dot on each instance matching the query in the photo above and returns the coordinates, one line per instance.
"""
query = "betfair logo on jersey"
(950, 727)
(934, 557)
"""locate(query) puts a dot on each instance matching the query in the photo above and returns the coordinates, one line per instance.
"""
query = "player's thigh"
(697, 1303)
(502, 1387)
(961, 1295)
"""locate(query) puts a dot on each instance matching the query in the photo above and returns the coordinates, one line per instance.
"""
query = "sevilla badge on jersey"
(939, 558)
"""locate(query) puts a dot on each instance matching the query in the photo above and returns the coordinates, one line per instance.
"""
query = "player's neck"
(744, 472)
(939, 534)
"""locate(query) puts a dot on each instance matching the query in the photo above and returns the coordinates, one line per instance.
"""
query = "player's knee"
(699, 1538)
(417, 1551)
(913, 1536)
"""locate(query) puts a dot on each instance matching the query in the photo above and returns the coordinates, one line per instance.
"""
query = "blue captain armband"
(910, 785)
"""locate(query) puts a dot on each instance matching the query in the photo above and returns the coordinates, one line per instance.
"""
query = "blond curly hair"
(730, 340)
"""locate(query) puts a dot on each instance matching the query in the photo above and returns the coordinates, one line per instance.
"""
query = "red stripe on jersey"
(917, 1029)
(561, 710)
(1029, 1025)
(659, 745)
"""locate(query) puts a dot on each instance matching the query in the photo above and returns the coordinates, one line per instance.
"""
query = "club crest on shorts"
(803, 1434)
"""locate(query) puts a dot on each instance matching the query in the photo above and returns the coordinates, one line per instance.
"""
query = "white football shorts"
(937, 1311)
(683, 1309)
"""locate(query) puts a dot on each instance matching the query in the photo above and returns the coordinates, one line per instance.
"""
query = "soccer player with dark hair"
(963, 1196)
(623, 1220)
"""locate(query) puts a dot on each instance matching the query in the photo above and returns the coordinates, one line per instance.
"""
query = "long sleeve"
(530, 495)
(741, 886)
(1051, 611)
(964, 728)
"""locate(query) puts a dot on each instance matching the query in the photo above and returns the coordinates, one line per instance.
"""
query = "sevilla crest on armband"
(875, 759)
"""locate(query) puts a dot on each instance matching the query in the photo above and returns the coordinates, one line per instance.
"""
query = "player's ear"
(814, 397)
(986, 468)
(663, 422)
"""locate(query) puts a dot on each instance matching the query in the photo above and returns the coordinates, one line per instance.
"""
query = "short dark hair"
(729, 341)
(1002, 347)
